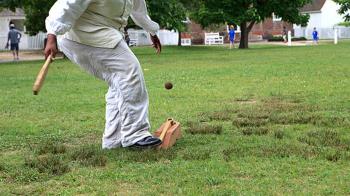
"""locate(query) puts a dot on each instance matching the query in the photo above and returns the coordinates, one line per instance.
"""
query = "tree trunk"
(244, 36)
(245, 29)
(179, 42)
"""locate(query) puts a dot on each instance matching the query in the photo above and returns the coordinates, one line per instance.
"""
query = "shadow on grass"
(142, 156)
(198, 155)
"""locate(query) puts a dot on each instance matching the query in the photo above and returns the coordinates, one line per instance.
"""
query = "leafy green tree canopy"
(36, 12)
(246, 13)
(344, 8)
(169, 14)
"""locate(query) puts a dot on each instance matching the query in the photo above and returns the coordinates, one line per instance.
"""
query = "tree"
(10, 4)
(344, 8)
(246, 13)
(36, 12)
(169, 14)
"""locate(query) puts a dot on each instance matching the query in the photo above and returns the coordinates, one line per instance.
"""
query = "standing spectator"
(126, 36)
(284, 35)
(13, 39)
(315, 36)
(232, 34)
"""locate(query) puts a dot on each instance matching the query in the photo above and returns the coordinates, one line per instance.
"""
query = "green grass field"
(268, 120)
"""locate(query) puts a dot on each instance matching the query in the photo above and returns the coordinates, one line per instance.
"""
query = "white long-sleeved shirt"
(97, 23)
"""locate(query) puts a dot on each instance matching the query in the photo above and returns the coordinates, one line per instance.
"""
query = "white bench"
(186, 42)
(213, 38)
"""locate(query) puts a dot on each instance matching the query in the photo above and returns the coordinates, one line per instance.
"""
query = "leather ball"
(168, 85)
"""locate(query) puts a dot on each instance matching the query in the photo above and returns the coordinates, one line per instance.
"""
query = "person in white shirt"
(93, 38)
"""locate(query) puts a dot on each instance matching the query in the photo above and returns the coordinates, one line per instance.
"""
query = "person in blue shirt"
(315, 36)
(14, 37)
(232, 34)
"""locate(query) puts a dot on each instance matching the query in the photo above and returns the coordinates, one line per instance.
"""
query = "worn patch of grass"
(2, 166)
(203, 128)
(249, 122)
(24, 175)
(279, 134)
(50, 164)
(224, 115)
(89, 156)
(331, 121)
(333, 155)
(200, 155)
(254, 130)
(253, 113)
(322, 138)
(50, 146)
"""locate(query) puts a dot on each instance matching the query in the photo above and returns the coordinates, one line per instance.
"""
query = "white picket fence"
(141, 37)
(324, 33)
(27, 42)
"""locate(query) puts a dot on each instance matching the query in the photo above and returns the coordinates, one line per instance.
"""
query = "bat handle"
(166, 127)
(41, 76)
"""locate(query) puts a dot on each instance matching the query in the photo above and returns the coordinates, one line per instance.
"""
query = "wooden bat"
(41, 76)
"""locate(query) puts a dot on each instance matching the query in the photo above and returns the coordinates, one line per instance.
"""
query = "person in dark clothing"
(13, 39)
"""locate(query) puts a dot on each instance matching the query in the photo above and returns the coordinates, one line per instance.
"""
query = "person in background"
(13, 39)
(126, 36)
(315, 36)
(232, 33)
(284, 35)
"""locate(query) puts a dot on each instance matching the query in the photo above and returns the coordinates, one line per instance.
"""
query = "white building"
(324, 16)
(18, 18)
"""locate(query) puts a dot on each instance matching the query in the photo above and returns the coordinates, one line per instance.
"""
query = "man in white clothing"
(93, 38)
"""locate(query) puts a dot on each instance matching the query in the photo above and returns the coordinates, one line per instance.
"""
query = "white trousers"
(127, 99)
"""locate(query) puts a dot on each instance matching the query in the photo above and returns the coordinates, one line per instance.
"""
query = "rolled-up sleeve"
(140, 16)
(63, 14)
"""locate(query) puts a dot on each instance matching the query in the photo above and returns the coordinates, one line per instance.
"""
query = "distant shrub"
(275, 39)
(345, 24)
(280, 39)
(299, 39)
